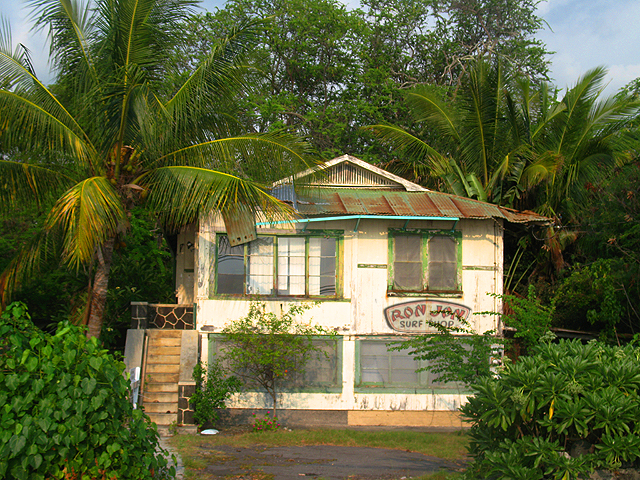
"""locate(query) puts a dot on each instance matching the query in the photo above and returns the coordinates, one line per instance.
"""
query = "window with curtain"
(279, 266)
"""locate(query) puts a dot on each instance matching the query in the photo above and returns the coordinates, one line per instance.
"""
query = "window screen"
(286, 265)
(323, 368)
(443, 263)
(260, 266)
(382, 367)
(407, 265)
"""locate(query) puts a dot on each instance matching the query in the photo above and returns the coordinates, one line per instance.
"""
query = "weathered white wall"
(360, 311)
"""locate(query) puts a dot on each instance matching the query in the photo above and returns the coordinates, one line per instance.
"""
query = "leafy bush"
(565, 410)
(263, 348)
(213, 388)
(528, 316)
(454, 354)
(64, 408)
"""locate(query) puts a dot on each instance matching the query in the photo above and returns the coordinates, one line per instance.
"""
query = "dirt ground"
(321, 462)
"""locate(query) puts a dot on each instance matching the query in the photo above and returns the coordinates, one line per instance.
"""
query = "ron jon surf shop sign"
(419, 316)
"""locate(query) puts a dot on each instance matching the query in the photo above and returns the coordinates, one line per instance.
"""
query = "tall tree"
(111, 133)
(326, 70)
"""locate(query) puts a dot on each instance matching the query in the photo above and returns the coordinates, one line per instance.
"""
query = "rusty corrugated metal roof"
(337, 201)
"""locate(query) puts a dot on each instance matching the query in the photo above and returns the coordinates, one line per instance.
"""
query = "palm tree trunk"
(99, 291)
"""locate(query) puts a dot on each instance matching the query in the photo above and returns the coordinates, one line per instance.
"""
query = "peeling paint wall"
(360, 311)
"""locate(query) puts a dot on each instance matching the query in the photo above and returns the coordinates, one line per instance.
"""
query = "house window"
(424, 261)
(322, 370)
(381, 368)
(279, 265)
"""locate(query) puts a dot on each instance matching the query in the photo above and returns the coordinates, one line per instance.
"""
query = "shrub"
(263, 347)
(213, 388)
(565, 410)
(64, 408)
(454, 354)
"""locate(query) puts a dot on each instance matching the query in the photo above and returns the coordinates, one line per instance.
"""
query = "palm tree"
(577, 141)
(109, 134)
(504, 141)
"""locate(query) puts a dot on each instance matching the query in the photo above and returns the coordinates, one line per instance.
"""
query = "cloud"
(591, 33)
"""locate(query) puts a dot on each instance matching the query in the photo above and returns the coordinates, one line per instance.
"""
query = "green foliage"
(528, 316)
(565, 410)
(327, 70)
(267, 423)
(599, 297)
(602, 289)
(454, 354)
(213, 388)
(64, 408)
(263, 347)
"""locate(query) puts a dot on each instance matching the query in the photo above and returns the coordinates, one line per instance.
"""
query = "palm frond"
(86, 215)
(180, 193)
(70, 26)
(216, 79)
(31, 116)
(32, 258)
(406, 143)
(264, 157)
(427, 106)
(23, 183)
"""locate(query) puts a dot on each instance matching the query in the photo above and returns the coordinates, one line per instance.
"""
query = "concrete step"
(153, 368)
(160, 350)
(160, 397)
(161, 377)
(163, 359)
(157, 332)
(160, 407)
(164, 342)
(163, 419)
(161, 388)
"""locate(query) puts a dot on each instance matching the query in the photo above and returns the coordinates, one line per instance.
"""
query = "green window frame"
(394, 371)
(322, 373)
(302, 265)
(425, 261)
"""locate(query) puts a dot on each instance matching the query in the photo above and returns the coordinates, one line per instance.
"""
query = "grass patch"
(198, 451)
(449, 446)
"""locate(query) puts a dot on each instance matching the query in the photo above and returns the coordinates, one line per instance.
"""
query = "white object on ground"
(209, 431)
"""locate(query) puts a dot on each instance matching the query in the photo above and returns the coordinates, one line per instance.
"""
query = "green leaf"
(95, 362)
(36, 461)
(32, 363)
(112, 448)
(16, 444)
(88, 385)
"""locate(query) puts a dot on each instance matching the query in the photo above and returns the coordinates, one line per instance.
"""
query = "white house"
(384, 257)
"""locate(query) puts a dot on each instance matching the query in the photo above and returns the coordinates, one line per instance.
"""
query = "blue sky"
(583, 33)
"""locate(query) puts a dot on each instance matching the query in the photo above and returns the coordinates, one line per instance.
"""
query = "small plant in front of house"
(173, 428)
(454, 354)
(266, 423)
(264, 348)
(213, 388)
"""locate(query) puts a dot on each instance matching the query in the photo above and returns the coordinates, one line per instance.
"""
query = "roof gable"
(351, 172)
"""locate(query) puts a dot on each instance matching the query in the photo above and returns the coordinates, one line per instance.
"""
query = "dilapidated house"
(384, 257)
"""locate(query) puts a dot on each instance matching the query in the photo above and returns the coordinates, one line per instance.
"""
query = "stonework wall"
(185, 411)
